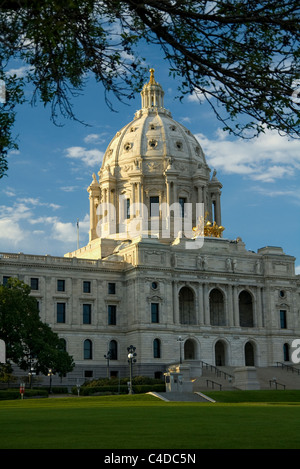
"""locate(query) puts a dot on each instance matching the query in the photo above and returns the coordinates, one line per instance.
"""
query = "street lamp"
(131, 359)
(108, 357)
(50, 373)
(180, 340)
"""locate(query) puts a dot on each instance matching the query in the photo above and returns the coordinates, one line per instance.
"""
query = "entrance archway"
(190, 349)
(249, 354)
(220, 353)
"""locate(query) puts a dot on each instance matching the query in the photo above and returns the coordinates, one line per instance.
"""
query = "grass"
(245, 420)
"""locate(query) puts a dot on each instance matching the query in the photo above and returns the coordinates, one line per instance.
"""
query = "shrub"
(140, 385)
(10, 394)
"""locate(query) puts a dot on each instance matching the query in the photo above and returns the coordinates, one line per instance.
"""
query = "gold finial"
(152, 79)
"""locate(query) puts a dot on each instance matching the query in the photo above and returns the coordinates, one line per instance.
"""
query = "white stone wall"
(272, 286)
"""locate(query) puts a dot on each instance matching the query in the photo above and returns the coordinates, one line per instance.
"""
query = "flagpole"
(77, 234)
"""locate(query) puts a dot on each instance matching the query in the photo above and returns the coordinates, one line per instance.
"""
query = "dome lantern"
(152, 94)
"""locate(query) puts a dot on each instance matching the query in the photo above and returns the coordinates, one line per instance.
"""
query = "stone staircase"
(272, 377)
(215, 379)
(222, 378)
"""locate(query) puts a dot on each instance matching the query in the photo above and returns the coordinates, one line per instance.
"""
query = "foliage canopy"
(242, 57)
(29, 341)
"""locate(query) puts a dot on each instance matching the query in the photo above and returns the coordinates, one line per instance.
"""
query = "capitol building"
(158, 272)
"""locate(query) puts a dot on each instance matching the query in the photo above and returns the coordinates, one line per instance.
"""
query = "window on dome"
(127, 146)
(182, 201)
(127, 208)
(154, 206)
(152, 143)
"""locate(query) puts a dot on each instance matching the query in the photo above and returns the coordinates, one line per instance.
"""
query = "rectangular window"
(61, 313)
(154, 206)
(5, 280)
(34, 283)
(155, 312)
(86, 286)
(60, 285)
(87, 314)
(283, 319)
(111, 288)
(112, 315)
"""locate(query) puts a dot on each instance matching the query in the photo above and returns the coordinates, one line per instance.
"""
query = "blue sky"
(45, 190)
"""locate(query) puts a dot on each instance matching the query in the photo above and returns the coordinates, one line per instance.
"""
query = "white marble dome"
(153, 160)
(154, 142)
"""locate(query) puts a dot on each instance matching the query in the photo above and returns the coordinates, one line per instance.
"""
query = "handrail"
(213, 383)
(216, 370)
(288, 367)
(276, 383)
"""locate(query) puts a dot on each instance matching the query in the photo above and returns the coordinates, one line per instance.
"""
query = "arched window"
(187, 313)
(156, 348)
(113, 348)
(87, 350)
(249, 354)
(286, 353)
(245, 309)
(217, 309)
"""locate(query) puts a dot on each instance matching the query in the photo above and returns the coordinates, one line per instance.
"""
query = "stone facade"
(175, 298)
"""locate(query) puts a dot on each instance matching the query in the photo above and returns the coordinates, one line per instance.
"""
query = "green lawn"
(144, 422)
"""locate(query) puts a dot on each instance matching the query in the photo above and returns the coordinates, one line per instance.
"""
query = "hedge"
(115, 389)
(11, 394)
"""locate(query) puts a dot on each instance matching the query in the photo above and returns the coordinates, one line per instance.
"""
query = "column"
(218, 209)
(230, 306)
(236, 314)
(200, 305)
(206, 305)
(175, 303)
(259, 309)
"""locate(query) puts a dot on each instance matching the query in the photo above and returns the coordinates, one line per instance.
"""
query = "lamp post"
(131, 359)
(180, 340)
(108, 357)
(50, 373)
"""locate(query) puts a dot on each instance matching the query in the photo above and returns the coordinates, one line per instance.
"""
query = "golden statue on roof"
(152, 79)
(207, 229)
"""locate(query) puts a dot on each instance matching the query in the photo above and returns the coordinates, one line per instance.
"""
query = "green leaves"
(242, 57)
(29, 340)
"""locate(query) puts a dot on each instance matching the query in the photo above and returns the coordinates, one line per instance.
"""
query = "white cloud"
(266, 158)
(92, 138)
(91, 157)
(293, 192)
(297, 269)
(11, 230)
(27, 226)
(195, 97)
(20, 71)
